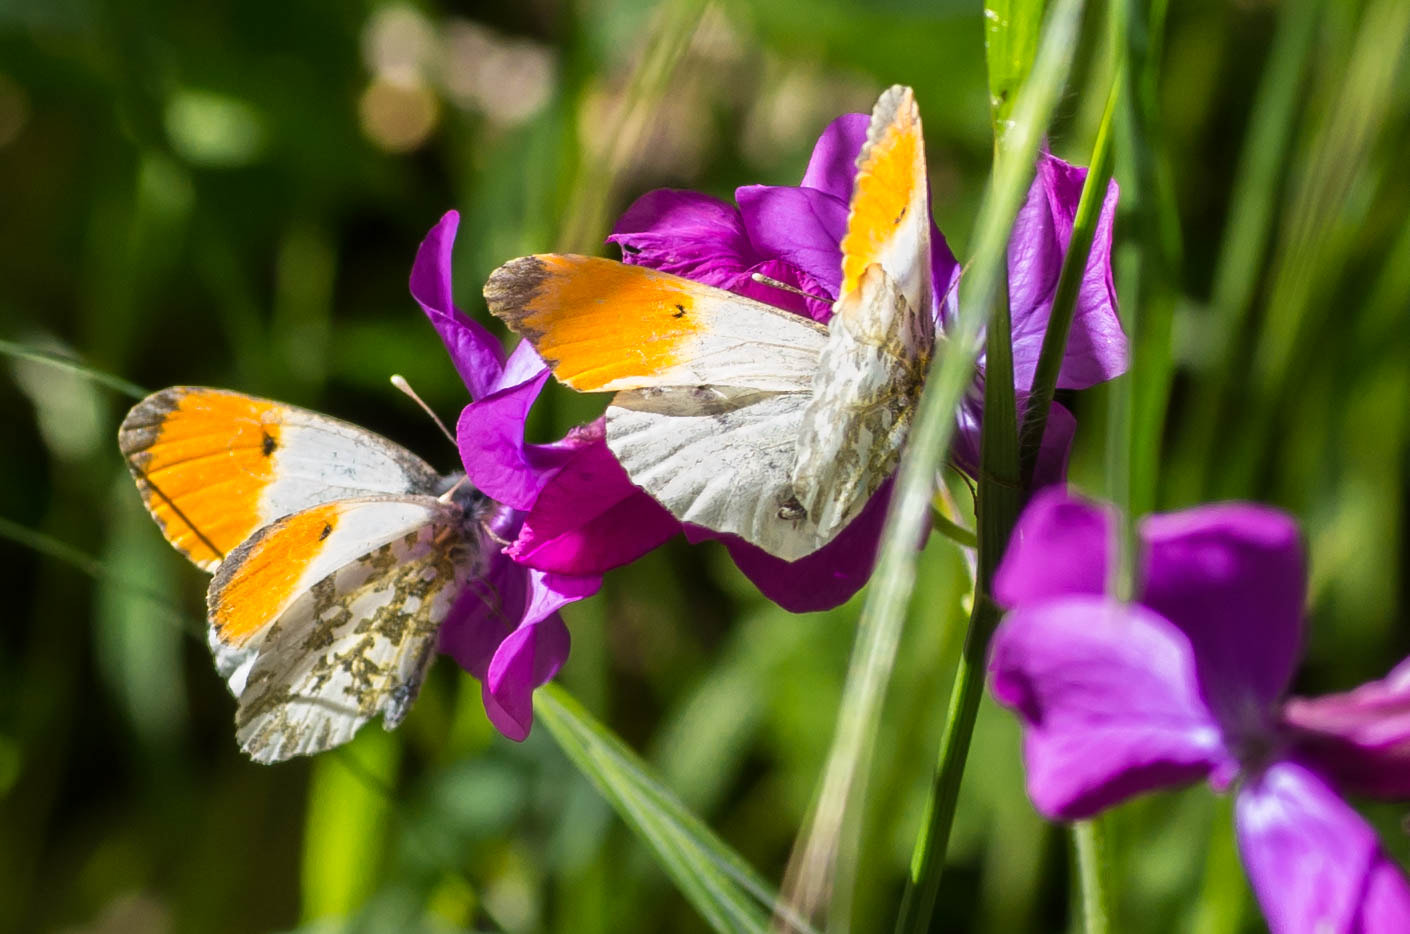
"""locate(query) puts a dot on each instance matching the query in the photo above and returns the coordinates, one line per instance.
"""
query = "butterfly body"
(337, 556)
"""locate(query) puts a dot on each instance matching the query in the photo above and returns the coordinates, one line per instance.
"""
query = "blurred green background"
(231, 194)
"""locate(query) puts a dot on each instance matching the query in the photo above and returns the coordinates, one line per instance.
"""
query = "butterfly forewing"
(345, 637)
(213, 466)
(882, 331)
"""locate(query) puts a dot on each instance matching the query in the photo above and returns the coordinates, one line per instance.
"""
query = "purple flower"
(505, 628)
(1189, 682)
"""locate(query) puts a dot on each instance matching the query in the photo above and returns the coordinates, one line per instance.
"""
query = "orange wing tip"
(201, 459)
(889, 168)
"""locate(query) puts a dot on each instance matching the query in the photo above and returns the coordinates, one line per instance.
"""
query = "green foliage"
(232, 193)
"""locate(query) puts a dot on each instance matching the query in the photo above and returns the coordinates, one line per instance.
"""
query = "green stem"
(1000, 498)
(953, 530)
(825, 858)
(928, 861)
(1074, 266)
(1093, 870)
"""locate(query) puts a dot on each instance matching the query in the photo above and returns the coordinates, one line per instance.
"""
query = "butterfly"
(336, 556)
(736, 415)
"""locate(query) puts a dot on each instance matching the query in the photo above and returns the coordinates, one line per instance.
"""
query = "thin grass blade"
(717, 881)
(824, 861)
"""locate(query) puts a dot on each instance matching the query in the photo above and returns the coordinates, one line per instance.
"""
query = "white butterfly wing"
(329, 617)
(718, 458)
(213, 466)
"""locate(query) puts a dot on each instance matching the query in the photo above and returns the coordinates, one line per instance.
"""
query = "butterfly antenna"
(448, 495)
(401, 383)
(770, 281)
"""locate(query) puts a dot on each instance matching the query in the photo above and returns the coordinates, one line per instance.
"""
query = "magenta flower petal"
(1360, 739)
(1109, 700)
(589, 518)
(826, 578)
(1059, 548)
(1385, 908)
(506, 631)
(687, 234)
(833, 166)
(1096, 345)
(1231, 576)
(481, 617)
(800, 226)
(477, 356)
(1313, 862)
(490, 435)
(528, 658)
(705, 240)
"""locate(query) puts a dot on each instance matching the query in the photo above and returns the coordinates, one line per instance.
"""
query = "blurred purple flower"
(1188, 682)
(505, 628)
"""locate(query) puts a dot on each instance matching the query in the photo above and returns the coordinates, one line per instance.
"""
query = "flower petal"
(1058, 432)
(484, 614)
(589, 518)
(826, 578)
(1059, 547)
(506, 631)
(687, 234)
(801, 226)
(1096, 345)
(1108, 697)
(528, 658)
(832, 169)
(1360, 739)
(1313, 862)
(1385, 908)
(490, 435)
(1231, 576)
(477, 356)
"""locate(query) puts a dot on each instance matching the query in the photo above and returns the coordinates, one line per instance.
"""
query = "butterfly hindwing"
(330, 616)
(213, 466)
(717, 458)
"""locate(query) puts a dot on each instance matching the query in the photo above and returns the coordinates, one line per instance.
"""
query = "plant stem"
(1089, 838)
(824, 861)
(928, 861)
(1074, 267)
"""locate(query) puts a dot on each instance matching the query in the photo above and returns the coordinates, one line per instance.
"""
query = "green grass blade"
(716, 880)
(824, 860)
(1074, 264)
(1244, 244)
(50, 358)
(585, 218)
(1150, 316)
(346, 825)
(1011, 29)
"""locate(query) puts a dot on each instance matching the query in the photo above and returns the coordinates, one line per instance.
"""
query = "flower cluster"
(570, 513)
(1189, 682)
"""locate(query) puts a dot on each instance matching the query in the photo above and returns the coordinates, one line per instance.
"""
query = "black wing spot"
(327, 530)
(268, 446)
(680, 312)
